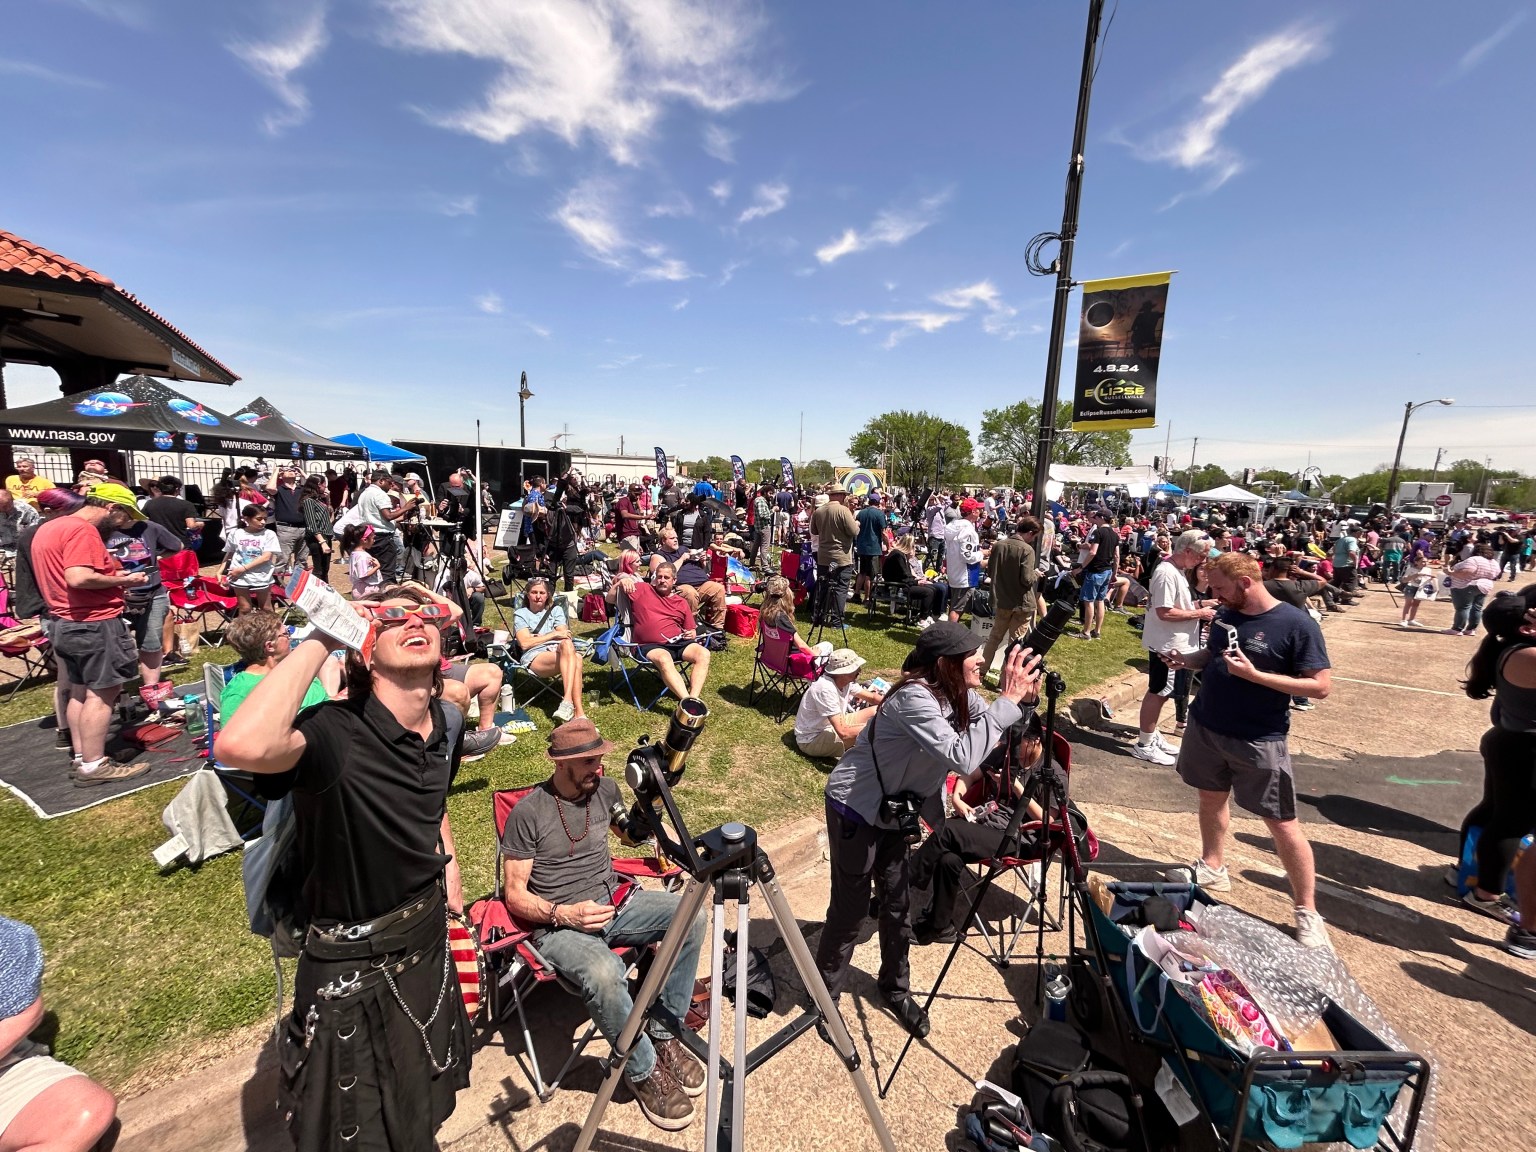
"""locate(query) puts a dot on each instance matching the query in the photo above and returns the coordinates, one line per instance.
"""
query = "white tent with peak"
(1229, 494)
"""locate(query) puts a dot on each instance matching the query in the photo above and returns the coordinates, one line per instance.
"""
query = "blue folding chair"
(240, 785)
(625, 658)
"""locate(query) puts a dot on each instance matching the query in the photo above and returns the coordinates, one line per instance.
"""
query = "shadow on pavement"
(1368, 816)
(1511, 994)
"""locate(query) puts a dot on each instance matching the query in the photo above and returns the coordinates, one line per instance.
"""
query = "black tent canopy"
(294, 439)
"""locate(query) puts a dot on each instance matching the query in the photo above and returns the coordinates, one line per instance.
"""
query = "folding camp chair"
(193, 596)
(891, 598)
(250, 806)
(1000, 941)
(514, 965)
(24, 642)
(514, 667)
(779, 668)
(624, 654)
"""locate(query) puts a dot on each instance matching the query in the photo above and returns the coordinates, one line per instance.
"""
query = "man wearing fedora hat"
(827, 721)
(560, 879)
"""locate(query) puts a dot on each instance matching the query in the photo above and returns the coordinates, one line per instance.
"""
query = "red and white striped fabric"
(469, 961)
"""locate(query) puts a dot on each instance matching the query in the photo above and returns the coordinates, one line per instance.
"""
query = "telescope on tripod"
(722, 864)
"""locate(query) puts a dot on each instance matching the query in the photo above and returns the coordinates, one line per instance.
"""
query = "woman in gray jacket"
(933, 722)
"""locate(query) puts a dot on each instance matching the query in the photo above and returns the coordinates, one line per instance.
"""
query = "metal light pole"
(1408, 410)
(1068, 240)
(523, 396)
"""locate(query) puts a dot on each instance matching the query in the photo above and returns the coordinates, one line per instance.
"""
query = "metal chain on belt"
(438, 1007)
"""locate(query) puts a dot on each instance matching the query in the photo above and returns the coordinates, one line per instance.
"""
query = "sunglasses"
(388, 614)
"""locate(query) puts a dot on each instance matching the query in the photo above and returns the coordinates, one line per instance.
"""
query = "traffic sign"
(1443, 500)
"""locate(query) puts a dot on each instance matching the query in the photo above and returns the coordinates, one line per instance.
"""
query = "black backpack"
(1088, 1109)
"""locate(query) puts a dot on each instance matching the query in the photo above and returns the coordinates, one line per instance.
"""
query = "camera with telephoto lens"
(905, 811)
(1047, 629)
(671, 756)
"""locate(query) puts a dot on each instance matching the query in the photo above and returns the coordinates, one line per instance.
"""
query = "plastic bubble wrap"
(1293, 985)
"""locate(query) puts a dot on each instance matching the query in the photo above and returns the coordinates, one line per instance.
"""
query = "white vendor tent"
(1137, 481)
(1230, 494)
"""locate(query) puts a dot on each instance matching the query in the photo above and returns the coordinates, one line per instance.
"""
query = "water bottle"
(1057, 988)
(197, 721)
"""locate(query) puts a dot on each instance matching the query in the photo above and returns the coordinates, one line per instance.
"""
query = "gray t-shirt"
(564, 872)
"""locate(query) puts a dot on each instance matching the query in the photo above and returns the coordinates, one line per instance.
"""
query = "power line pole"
(1068, 239)
(1190, 483)
(1435, 473)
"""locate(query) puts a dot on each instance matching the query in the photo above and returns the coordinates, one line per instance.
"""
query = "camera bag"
(1088, 1109)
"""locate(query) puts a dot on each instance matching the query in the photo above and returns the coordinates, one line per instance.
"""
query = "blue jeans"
(587, 960)
(1468, 603)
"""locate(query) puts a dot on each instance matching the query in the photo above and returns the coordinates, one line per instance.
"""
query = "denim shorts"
(1096, 585)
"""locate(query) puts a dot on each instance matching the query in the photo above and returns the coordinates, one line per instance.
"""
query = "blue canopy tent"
(1293, 494)
(1169, 489)
(377, 451)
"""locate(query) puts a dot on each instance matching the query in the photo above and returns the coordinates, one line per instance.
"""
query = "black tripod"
(726, 863)
(1050, 792)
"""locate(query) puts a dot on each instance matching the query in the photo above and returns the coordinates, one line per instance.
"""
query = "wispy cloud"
(619, 362)
(720, 143)
(680, 305)
(274, 63)
(490, 303)
(998, 316)
(677, 206)
(599, 69)
(1196, 145)
(891, 227)
(589, 213)
(728, 273)
(766, 200)
(538, 330)
(129, 12)
(30, 71)
(903, 324)
(1475, 55)
(456, 205)
(721, 190)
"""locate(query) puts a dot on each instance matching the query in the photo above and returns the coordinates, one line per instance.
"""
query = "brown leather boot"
(662, 1099)
(687, 1071)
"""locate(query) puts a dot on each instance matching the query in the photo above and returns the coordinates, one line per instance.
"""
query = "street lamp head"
(1447, 403)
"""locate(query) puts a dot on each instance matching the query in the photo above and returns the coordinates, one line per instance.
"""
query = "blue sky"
(692, 221)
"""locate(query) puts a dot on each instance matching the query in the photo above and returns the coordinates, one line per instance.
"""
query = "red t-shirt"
(658, 619)
(70, 542)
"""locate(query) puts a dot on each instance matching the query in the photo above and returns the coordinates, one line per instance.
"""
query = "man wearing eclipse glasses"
(377, 1044)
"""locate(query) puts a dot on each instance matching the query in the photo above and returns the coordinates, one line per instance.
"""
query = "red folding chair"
(514, 965)
(24, 642)
(779, 668)
(193, 596)
(1024, 872)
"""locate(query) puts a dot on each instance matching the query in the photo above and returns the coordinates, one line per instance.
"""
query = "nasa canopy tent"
(377, 450)
(293, 440)
(138, 414)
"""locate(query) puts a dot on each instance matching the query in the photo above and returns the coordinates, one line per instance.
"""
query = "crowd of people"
(1233, 605)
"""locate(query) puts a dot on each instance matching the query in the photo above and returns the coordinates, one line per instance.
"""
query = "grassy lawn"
(139, 961)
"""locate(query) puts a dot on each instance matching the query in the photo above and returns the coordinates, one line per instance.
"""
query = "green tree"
(908, 444)
(815, 472)
(1011, 436)
(762, 469)
(1207, 476)
(1275, 476)
(717, 466)
(1367, 488)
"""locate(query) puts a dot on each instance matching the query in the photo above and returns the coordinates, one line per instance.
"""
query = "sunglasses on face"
(387, 614)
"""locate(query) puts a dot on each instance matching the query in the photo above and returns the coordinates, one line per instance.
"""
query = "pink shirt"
(1478, 570)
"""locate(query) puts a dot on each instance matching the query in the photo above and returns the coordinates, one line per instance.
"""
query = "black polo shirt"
(369, 797)
(288, 507)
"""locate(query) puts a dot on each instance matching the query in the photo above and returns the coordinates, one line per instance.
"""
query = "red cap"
(970, 505)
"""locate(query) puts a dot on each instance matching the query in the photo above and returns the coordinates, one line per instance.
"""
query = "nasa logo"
(106, 404)
(189, 441)
(294, 448)
(164, 441)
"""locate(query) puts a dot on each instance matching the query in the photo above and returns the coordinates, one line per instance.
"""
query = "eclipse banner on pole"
(788, 471)
(738, 469)
(661, 466)
(1119, 346)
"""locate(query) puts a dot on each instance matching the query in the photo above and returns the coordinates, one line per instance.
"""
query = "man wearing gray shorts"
(1260, 654)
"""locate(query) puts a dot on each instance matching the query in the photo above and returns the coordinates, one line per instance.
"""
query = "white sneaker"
(1311, 932)
(1151, 753)
(923, 625)
(1201, 873)
(1171, 749)
(565, 711)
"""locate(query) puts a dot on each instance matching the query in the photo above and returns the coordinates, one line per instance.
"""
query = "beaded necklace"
(586, 827)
